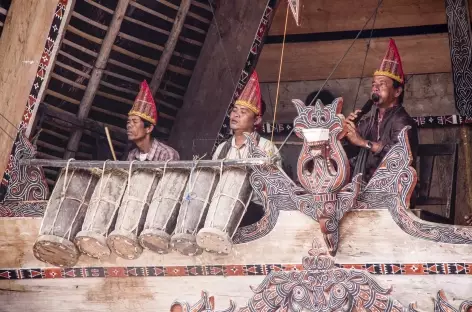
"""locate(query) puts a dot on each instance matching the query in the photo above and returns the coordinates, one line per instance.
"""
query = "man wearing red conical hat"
(246, 116)
(372, 137)
(140, 128)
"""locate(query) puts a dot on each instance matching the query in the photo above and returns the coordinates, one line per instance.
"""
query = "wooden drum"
(228, 205)
(132, 214)
(163, 211)
(102, 213)
(63, 217)
(193, 211)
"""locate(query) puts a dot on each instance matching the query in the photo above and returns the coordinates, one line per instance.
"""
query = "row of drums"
(97, 212)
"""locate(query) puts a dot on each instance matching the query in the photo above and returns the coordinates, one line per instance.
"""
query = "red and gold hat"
(391, 64)
(144, 105)
(251, 95)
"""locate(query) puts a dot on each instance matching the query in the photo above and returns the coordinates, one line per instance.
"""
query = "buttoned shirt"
(158, 152)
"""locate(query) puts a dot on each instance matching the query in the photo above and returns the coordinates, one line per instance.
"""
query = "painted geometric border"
(230, 270)
(40, 76)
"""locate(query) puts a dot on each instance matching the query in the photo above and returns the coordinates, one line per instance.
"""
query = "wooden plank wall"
(134, 57)
(326, 32)
(4, 6)
(21, 45)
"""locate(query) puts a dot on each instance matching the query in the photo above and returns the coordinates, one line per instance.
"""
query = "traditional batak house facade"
(89, 222)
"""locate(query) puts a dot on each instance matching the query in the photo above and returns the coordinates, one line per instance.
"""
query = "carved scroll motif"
(322, 287)
(27, 183)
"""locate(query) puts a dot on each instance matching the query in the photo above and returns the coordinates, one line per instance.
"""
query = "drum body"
(227, 208)
(163, 211)
(123, 240)
(193, 211)
(101, 214)
(63, 217)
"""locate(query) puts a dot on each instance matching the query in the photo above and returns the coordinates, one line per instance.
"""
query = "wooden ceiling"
(328, 28)
(134, 56)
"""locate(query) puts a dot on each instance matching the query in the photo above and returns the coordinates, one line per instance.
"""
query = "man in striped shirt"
(140, 127)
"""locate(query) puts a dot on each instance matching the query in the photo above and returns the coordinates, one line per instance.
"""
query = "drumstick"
(110, 143)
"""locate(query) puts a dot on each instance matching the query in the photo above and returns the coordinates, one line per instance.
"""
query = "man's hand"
(352, 116)
(352, 134)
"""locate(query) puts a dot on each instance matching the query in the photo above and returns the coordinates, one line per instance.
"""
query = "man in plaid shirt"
(142, 120)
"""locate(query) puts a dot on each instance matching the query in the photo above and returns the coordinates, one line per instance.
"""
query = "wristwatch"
(368, 145)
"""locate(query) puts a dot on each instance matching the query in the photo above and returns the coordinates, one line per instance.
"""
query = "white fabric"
(242, 152)
(142, 157)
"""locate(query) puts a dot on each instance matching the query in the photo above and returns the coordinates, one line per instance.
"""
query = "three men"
(374, 136)
(140, 128)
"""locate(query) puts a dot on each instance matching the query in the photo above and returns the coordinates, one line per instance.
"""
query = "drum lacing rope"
(188, 197)
(160, 197)
(219, 194)
(129, 198)
(63, 195)
(99, 192)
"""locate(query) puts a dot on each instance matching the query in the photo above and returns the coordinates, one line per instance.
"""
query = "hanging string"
(280, 74)
(365, 58)
(336, 67)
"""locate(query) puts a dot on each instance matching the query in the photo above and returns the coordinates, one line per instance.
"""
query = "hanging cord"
(365, 57)
(336, 67)
(280, 74)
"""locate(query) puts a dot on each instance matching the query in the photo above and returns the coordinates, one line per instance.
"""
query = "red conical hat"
(251, 95)
(391, 64)
(144, 105)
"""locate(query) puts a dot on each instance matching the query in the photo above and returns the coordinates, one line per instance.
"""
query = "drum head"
(55, 250)
(186, 244)
(124, 244)
(155, 240)
(92, 244)
(214, 240)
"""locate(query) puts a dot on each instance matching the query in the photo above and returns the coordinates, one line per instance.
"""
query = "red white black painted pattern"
(231, 270)
(32, 100)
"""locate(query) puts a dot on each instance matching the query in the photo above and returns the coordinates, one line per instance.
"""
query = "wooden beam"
(216, 75)
(420, 54)
(146, 164)
(320, 16)
(170, 46)
(96, 75)
(21, 46)
(90, 124)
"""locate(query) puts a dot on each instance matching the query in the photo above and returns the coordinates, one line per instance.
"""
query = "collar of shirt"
(150, 154)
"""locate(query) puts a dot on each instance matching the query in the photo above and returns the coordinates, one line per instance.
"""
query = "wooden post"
(96, 75)
(460, 42)
(231, 50)
(170, 46)
(21, 47)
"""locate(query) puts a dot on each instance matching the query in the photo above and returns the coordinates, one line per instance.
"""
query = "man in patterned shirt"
(140, 127)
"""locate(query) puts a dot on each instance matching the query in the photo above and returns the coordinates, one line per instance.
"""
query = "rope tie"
(63, 195)
(100, 190)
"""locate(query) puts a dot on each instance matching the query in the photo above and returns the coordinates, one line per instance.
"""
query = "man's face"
(243, 119)
(135, 129)
(383, 87)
